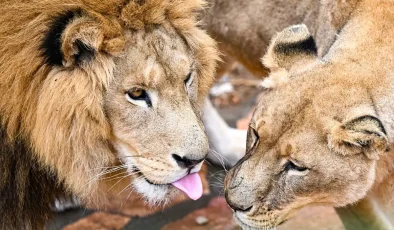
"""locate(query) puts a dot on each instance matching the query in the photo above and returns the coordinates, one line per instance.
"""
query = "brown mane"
(50, 146)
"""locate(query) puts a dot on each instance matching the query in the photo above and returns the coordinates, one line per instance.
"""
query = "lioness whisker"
(220, 158)
(214, 176)
(217, 185)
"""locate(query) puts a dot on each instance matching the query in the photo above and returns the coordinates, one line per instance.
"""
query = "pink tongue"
(191, 185)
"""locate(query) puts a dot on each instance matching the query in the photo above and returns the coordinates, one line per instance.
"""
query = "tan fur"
(75, 115)
(245, 36)
(333, 120)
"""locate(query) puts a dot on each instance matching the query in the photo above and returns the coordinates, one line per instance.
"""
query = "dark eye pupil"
(252, 139)
(188, 78)
(290, 165)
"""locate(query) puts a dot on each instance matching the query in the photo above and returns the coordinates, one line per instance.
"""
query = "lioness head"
(314, 139)
(110, 90)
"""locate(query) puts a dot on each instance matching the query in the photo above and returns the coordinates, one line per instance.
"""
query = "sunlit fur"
(333, 116)
(64, 117)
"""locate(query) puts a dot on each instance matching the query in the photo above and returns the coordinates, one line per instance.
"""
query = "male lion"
(90, 88)
(323, 134)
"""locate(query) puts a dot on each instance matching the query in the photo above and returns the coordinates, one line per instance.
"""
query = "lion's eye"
(292, 166)
(139, 97)
(136, 93)
(252, 139)
(189, 80)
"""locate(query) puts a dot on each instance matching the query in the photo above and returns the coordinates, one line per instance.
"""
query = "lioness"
(93, 89)
(243, 30)
(323, 133)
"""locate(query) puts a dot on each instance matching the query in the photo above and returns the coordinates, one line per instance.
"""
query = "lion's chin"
(155, 195)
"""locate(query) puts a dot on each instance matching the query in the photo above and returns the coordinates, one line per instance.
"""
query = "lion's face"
(120, 87)
(308, 143)
(152, 110)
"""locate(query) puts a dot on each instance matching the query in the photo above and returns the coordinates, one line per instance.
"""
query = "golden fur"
(323, 133)
(64, 111)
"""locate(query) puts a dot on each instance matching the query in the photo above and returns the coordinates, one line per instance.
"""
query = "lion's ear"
(292, 47)
(364, 134)
(74, 37)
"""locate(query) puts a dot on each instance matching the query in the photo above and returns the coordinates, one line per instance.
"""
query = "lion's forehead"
(154, 59)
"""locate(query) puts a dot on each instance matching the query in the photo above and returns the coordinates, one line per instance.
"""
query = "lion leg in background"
(219, 133)
(227, 144)
(364, 215)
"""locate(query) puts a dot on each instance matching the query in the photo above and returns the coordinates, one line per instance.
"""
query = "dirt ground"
(128, 211)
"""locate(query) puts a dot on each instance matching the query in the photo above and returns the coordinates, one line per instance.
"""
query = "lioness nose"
(238, 207)
(185, 162)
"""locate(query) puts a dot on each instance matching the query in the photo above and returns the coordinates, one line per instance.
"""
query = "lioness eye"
(189, 80)
(251, 139)
(291, 166)
(139, 97)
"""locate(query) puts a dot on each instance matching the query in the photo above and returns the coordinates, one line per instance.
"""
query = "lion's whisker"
(126, 187)
(117, 183)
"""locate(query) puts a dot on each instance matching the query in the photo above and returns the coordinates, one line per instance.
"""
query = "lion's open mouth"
(190, 184)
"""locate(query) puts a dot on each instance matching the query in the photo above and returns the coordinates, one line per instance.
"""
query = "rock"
(201, 220)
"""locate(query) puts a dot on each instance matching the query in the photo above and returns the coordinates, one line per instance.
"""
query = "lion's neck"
(367, 37)
(366, 43)
(384, 182)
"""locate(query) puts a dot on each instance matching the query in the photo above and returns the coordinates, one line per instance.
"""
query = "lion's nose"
(185, 162)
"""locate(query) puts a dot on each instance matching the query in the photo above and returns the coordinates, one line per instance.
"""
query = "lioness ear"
(291, 45)
(364, 134)
(74, 37)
